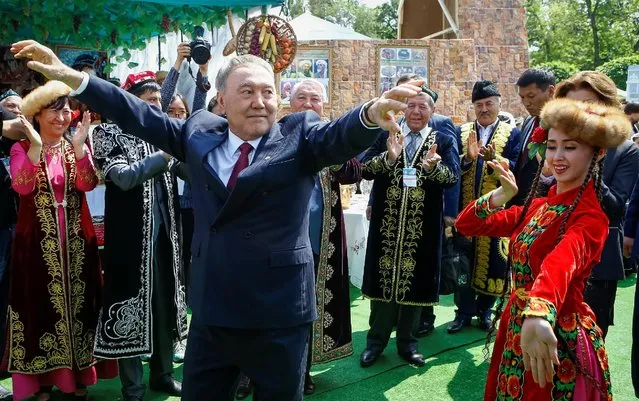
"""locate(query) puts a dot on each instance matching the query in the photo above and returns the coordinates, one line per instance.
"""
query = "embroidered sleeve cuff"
(539, 307)
(442, 174)
(377, 164)
(362, 116)
(482, 206)
(83, 85)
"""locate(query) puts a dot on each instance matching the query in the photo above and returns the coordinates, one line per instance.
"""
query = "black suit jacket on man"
(621, 169)
(252, 264)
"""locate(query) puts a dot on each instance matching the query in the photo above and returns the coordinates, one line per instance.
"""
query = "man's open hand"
(43, 60)
(382, 111)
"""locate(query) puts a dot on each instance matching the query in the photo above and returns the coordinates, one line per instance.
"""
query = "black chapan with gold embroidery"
(55, 279)
(403, 253)
(332, 336)
(489, 256)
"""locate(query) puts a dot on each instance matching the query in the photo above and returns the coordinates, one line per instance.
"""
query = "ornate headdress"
(595, 124)
(43, 96)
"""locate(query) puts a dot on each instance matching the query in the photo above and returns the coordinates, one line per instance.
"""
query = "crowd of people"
(238, 215)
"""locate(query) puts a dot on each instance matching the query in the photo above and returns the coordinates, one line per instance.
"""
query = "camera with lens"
(200, 47)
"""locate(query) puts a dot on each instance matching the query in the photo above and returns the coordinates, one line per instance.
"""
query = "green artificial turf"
(455, 367)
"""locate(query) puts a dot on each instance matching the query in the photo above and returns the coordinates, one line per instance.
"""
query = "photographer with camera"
(202, 84)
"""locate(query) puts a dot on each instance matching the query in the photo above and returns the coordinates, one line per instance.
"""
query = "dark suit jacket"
(631, 225)
(252, 263)
(621, 170)
(526, 168)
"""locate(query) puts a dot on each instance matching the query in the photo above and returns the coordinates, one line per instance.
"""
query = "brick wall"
(354, 73)
(492, 44)
(498, 28)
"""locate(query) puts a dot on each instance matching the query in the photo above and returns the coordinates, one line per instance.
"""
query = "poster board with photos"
(309, 62)
(395, 61)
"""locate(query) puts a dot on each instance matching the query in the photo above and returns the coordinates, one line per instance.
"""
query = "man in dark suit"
(252, 292)
(620, 172)
(536, 87)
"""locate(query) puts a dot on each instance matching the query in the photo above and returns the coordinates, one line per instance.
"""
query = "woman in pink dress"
(55, 270)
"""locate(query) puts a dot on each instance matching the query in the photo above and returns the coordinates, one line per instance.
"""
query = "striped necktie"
(412, 146)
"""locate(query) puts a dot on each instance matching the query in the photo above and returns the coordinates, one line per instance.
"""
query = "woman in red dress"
(55, 272)
(548, 346)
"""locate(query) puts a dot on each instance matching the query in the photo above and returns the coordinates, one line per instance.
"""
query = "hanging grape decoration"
(270, 38)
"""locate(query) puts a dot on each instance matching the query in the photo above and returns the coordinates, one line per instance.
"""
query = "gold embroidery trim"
(402, 225)
(69, 331)
(488, 182)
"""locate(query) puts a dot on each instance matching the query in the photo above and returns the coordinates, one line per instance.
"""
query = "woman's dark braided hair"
(596, 168)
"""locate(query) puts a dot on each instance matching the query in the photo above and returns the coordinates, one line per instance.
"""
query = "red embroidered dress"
(548, 281)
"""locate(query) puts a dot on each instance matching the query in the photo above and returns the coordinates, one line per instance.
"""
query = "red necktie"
(241, 164)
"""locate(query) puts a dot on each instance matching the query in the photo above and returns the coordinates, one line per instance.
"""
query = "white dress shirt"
(484, 132)
(423, 133)
(224, 157)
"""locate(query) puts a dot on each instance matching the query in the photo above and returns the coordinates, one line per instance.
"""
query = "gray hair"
(310, 81)
(233, 63)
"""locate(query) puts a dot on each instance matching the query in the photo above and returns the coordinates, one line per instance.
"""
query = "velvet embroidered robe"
(489, 256)
(548, 279)
(332, 336)
(125, 325)
(403, 252)
(55, 271)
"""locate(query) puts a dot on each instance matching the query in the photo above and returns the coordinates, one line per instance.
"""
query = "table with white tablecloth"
(356, 236)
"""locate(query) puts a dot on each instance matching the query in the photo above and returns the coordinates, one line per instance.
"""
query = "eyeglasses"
(177, 113)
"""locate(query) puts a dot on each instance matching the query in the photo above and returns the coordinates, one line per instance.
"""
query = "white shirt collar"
(423, 132)
(490, 126)
(234, 142)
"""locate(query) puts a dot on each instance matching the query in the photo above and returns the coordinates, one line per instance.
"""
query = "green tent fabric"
(111, 24)
(216, 3)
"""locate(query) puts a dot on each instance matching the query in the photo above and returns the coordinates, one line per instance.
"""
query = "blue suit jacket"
(252, 263)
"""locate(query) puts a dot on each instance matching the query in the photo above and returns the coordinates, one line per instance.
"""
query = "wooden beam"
(449, 17)
(436, 34)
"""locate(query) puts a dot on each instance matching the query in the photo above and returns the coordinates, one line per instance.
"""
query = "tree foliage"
(617, 69)
(379, 22)
(560, 70)
(585, 33)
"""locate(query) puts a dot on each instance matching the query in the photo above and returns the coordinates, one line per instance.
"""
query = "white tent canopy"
(309, 27)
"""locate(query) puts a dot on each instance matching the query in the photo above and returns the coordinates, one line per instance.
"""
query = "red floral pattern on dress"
(514, 386)
(566, 371)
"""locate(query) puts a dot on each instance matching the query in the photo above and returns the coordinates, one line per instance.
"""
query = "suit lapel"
(249, 178)
(203, 145)
(527, 132)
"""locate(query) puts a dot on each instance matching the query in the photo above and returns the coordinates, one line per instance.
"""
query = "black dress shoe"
(424, 329)
(244, 387)
(166, 384)
(309, 385)
(485, 322)
(413, 357)
(5, 394)
(369, 357)
(458, 324)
